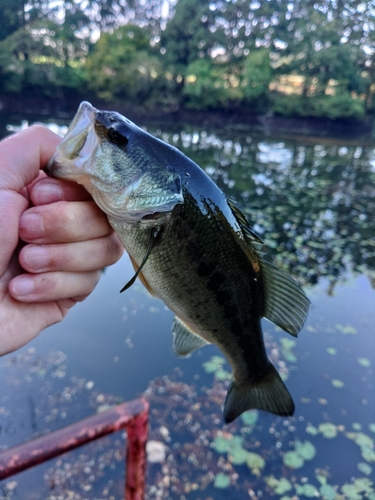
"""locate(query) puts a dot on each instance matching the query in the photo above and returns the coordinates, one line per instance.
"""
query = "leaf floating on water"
(308, 490)
(286, 349)
(222, 480)
(210, 367)
(237, 455)
(313, 431)
(331, 350)
(222, 375)
(339, 384)
(356, 426)
(372, 427)
(250, 417)
(364, 362)
(279, 486)
(306, 450)
(365, 468)
(293, 460)
(346, 330)
(255, 462)
(328, 492)
(368, 453)
(328, 430)
(360, 439)
(221, 444)
(361, 488)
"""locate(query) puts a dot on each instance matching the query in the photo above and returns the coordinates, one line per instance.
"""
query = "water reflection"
(313, 204)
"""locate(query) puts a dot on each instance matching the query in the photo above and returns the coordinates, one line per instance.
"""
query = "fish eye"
(115, 137)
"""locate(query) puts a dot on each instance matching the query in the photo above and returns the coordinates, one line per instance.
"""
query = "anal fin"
(185, 340)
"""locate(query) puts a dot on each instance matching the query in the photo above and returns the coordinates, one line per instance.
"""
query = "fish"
(191, 246)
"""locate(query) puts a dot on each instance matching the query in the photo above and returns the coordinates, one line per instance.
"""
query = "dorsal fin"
(285, 303)
(248, 231)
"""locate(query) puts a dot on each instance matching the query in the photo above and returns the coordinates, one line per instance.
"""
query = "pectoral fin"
(185, 340)
(286, 304)
(155, 232)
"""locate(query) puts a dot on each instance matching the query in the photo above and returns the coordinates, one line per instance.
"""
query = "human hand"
(68, 240)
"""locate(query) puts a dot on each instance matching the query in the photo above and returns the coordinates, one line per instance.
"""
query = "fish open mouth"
(77, 145)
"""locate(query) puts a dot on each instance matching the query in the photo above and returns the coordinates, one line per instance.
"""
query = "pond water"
(313, 203)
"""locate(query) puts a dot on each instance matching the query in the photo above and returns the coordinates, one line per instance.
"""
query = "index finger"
(24, 154)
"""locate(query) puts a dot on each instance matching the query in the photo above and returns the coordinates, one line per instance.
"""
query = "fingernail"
(22, 286)
(36, 257)
(47, 191)
(31, 225)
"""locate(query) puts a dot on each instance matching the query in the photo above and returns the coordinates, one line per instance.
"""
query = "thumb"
(23, 154)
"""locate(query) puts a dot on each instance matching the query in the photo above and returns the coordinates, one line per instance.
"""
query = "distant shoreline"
(269, 123)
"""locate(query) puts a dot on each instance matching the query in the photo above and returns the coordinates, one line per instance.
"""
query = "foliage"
(198, 54)
(120, 66)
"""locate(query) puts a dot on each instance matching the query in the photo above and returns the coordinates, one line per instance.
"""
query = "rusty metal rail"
(132, 415)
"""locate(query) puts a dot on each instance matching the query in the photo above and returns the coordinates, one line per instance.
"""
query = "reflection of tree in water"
(313, 204)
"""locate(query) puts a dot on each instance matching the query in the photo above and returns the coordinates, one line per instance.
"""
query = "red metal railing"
(132, 415)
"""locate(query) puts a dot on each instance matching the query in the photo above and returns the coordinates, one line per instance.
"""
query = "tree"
(121, 65)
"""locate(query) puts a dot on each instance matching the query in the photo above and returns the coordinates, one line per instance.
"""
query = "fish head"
(125, 169)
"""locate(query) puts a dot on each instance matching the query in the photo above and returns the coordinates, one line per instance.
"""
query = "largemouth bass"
(191, 246)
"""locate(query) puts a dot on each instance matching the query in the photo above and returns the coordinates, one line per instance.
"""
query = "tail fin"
(269, 394)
